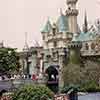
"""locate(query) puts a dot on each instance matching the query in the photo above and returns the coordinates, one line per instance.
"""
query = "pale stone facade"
(30, 61)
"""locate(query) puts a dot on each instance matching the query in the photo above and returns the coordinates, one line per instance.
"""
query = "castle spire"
(85, 26)
(61, 13)
(26, 47)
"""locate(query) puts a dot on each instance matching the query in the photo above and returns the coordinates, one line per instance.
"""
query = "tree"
(72, 71)
(9, 61)
(33, 92)
(87, 71)
(92, 71)
(72, 74)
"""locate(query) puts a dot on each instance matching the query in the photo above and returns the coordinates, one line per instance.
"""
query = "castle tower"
(73, 67)
(85, 26)
(74, 51)
(47, 29)
(72, 14)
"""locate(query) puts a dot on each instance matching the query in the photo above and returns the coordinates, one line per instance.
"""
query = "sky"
(20, 16)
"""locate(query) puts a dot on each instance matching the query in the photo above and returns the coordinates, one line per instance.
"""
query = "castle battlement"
(71, 1)
(72, 12)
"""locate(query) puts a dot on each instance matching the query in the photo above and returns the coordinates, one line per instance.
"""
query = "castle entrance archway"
(52, 79)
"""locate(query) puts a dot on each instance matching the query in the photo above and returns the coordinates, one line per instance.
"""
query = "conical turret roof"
(47, 28)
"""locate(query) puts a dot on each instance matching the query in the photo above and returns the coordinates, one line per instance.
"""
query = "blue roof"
(84, 37)
(62, 23)
(47, 28)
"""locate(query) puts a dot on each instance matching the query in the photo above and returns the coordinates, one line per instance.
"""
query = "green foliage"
(67, 88)
(71, 74)
(90, 86)
(91, 71)
(74, 57)
(31, 92)
(9, 60)
(75, 73)
(72, 71)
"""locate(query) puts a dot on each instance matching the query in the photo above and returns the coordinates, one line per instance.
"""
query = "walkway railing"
(11, 85)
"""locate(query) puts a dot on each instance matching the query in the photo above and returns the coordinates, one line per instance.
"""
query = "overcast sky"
(20, 16)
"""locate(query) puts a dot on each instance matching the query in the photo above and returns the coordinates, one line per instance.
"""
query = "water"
(92, 96)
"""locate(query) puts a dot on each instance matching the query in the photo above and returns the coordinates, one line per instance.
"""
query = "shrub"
(5, 98)
(90, 86)
(31, 92)
(66, 89)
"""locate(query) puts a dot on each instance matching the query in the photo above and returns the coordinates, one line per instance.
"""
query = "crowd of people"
(17, 76)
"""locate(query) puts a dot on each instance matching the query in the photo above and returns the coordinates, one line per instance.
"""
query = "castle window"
(55, 44)
(42, 55)
(92, 46)
(48, 57)
(55, 55)
(69, 8)
(54, 31)
(86, 46)
(43, 37)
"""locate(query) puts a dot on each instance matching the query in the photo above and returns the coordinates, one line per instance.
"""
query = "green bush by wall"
(31, 92)
(89, 86)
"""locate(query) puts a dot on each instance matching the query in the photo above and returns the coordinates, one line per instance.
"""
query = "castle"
(59, 37)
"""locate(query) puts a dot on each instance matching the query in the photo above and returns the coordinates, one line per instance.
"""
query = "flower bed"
(5, 97)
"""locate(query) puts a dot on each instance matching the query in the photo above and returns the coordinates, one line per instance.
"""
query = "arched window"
(93, 46)
(55, 43)
(86, 46)
(52, 73)
(54, 31)
(43, 37)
